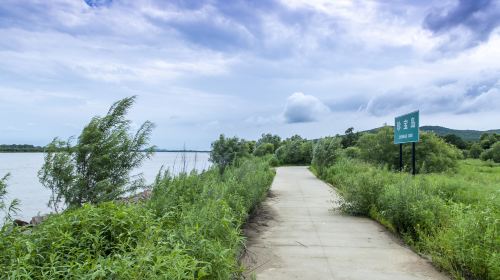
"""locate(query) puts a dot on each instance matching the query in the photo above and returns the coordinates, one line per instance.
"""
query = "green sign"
(406, 128)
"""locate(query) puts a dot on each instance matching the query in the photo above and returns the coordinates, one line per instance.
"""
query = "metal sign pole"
(413, 158)
(400, 157)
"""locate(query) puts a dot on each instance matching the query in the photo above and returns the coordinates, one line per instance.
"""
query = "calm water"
(23, 181)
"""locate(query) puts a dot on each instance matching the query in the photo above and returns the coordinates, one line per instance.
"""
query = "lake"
(23, 182)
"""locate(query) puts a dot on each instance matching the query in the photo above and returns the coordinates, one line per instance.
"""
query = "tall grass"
(454, 218)
(190, 229)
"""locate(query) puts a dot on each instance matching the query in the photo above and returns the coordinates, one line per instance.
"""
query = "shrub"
(492, 153)
(273, 161)
(12, 207)
(226, 151)
(264, 149)
(97, 168)
(271, 139)
(455, 140)
(190, 229)
(439, 215)
(295, 150)
(475, 150)
(432, 153)
(352, 152)
(326, 151)
(487, 140)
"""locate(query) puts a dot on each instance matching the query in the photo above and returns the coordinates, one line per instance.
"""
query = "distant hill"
(467, 135)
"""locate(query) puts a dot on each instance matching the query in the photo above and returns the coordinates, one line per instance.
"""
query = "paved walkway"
(298, 236)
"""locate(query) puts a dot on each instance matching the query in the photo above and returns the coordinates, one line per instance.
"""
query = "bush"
(352, 152)
(271, 139)
(12, 207)
(226, 151)
(326, 151)
(97, 168)
(432, 153)
(273, 161)
(455, 140)
(475, 150)
(438, 214)
(487, 140)
(190, 229)
(295, 150)
(492, 153)
(263, 149)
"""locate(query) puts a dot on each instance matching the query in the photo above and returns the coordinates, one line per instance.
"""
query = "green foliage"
(269, 138)
(295, 150)
(379, 148)
(263, 149)
(226, 151)
(352, 152)
(455, 141)
(97, 168)
(326, 151)
(7, 209)
(454, 218)
(190, 229)
(487, 140)
(350, 138)
(432, 153)
(492, 153)
(475, 150)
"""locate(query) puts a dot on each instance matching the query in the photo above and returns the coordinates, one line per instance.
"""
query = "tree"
(226, 151)
(487, 140)
(325, 153)
(98, 167)
(456, 141)
(264, 149)
(492, 153)
(295, 150)
(475, 150)
(432, 153)
(350, 138)
(12, 207)
(269, 138)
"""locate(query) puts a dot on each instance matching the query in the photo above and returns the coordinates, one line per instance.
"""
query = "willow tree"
(7, 209)
(97, 168)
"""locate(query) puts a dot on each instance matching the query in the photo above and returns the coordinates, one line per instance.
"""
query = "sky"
(243, 68)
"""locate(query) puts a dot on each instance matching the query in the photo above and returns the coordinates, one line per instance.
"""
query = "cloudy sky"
(201, 68)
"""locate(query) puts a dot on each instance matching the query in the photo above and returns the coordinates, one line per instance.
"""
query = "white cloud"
(304, 108)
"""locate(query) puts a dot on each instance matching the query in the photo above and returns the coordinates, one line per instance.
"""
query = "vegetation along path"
(296, 235)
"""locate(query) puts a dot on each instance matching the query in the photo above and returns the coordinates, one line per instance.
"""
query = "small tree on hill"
(98, 167)
(350, 138)
(456, 141)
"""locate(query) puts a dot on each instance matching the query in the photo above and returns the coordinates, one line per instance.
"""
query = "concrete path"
(296, 235)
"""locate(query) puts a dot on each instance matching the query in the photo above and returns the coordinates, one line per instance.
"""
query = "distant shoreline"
(156, 151)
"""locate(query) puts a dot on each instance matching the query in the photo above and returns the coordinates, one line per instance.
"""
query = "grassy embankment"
(190, 229)
(454, 217)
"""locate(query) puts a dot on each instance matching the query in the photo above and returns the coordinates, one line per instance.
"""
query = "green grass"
(190, 229)
(453, 217)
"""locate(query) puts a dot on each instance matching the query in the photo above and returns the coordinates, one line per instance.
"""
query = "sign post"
(406, 130)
